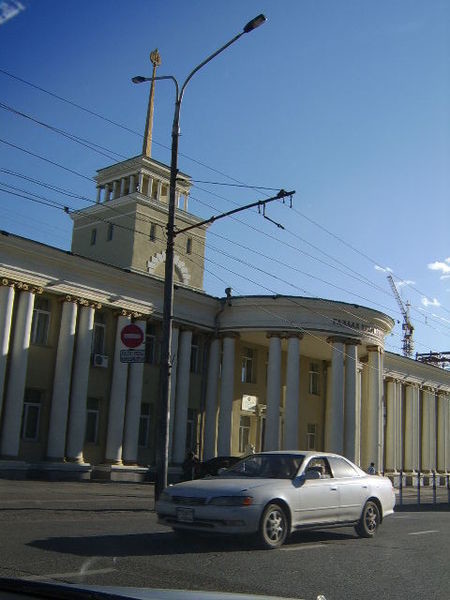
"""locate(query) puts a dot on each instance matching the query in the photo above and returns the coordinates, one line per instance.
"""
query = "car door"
(353, 488)
(316, 500)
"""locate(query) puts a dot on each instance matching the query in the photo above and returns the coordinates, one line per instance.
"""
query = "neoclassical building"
(272, 372)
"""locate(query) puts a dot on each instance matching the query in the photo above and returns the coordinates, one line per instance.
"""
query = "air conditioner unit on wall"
(100, 360)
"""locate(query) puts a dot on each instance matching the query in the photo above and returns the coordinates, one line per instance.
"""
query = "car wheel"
(370, 520)
(273, 528)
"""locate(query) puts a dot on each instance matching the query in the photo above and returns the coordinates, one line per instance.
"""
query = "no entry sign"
(132, 336)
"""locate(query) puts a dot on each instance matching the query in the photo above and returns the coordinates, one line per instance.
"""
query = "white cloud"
(403, 282)
(383, 269)
(439, 265)
(444, 277)
(427, 302)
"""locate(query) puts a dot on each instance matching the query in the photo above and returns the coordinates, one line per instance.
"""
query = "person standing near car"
(371, 469)
(190, 466)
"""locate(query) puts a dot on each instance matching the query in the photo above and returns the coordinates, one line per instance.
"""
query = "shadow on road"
(141, 544)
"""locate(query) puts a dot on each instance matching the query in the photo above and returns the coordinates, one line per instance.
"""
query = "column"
(292, 393)
(173, 387)
(186, 201)
(393, 441)
(443, 434)
(133, 407)
(99, 193)
(132, 187)
(117, 398)
(115, 189)
(140, 182)
(6, 309)
(412, 428)
(358, 414)
(429, 431)
(271, 441)
(351, 401)
(13, 406)
(107, 194)
(372, 410)
(80, 378)
(334, 413)
(122, 186)
(209, 448)
(158, 196)
(182, 396)
(61, 382)
(226, 397)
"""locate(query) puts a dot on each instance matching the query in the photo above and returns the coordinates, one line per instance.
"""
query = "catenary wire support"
(260, 204)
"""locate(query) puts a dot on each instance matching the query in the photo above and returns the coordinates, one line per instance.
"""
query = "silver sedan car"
(272, 494)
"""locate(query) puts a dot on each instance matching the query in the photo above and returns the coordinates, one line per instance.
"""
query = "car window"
(341, 468)
(267, 466)
(320, 464)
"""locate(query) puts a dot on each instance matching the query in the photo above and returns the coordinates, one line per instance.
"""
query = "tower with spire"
(127, 225)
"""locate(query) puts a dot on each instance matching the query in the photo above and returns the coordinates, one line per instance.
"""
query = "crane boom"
(408, 329)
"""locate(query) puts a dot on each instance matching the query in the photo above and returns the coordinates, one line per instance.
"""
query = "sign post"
(133, 350)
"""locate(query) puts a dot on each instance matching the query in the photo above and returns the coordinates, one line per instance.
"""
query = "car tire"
(370, 520)
(273, 527)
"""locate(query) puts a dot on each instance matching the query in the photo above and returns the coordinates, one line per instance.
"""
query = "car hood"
(223, 486)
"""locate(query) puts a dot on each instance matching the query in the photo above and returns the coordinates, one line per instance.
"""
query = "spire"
(155, 59)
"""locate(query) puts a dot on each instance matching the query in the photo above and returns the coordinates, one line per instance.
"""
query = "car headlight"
(231, 501)
(165, 497)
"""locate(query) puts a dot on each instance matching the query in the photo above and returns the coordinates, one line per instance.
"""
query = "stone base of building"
(125, 473)
(45, 471)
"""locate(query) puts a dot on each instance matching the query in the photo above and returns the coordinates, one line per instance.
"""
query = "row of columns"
(422, 442)
(132, 183)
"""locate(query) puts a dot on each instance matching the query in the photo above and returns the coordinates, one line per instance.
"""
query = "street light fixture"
(162, 451)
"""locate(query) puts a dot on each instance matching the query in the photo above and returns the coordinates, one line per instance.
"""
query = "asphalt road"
(107, 534)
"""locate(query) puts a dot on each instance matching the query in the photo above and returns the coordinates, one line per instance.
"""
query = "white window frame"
(311, 436)
(244, 432)
(195, 354)
(144, 420)
(248, 358)
(314, 379)
(99, 325)
(96, 413)
(27, 405)
(38, 315)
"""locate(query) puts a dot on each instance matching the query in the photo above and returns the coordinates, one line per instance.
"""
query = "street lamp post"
(162, 453)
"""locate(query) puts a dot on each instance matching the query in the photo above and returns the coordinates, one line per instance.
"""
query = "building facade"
(262, 372)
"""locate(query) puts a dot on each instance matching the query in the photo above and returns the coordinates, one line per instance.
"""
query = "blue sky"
(345, 102)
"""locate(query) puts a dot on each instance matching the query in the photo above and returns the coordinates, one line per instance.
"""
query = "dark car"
(213, 465)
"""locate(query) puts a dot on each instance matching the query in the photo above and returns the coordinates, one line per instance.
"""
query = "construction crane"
(408, 329)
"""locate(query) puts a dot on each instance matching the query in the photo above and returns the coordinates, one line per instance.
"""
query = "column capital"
(375, 348)
(277, 334)
(338, 339)
(229, 334)
(293, 334)
(122, 312)
(22, 285)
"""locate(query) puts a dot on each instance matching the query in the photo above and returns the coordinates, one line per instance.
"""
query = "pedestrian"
(190, 465)
(371, 469)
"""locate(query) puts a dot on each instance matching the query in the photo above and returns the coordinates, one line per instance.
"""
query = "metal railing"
(425, 488)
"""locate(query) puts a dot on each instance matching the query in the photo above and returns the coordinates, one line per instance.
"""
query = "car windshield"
(266, 466)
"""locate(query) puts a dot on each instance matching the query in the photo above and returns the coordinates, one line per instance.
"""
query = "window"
(144, 426)
(31, 414)
(311, 436)
(110, 232)
(189, 246)
(98, 338)
(163, 193)
(244, 433)
(341, 468)
(314, 375)
(195, 354)
(151, 345)
(321, 465)
(41, 321)
(152, 232)
(93, 236)
(248, 366)
(92, 418)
